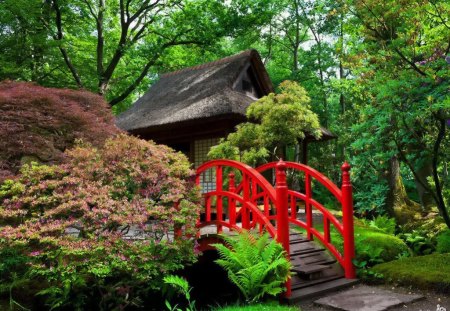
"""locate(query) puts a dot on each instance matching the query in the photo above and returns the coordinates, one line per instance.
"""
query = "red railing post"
(219, 202)
(282, 213)
(232, 202)
(347, 219)
(246, 195)
(308, 206)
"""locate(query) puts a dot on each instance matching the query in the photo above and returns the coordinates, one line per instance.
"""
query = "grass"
(260, 307)
(424, 272)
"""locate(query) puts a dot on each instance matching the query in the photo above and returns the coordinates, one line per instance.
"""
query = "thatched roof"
(196, 93)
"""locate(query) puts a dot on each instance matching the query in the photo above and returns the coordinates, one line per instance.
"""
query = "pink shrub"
(101, 196)
(40, 123)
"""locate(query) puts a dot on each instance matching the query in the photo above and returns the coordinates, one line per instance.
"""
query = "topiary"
(255, 264)
(97, 230)
(443, 242)
(38, 124)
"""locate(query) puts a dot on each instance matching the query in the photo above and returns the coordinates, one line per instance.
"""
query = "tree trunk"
(398, 205)
(426, 198)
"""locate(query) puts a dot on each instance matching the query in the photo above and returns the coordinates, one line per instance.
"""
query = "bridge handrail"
(310, 171)
(266, 186)
(254, 186)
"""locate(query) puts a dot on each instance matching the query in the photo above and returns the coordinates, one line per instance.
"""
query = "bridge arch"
(243, 199)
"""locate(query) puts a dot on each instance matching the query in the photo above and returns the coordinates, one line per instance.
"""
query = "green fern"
(256, 264)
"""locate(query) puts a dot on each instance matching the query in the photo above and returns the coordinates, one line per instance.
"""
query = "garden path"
(370, 298)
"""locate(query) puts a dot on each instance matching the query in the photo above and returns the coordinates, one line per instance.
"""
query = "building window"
(201, 149)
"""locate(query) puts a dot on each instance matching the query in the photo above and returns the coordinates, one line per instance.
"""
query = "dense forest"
(377, 73)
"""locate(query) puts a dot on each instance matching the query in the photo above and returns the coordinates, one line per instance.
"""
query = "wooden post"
(347, 218)
(246, 195)
(308, 207)
(283, 213)
(219, 201)
(232, 202)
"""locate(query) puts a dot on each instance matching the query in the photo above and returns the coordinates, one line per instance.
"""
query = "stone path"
(381, 297)
(367, 298)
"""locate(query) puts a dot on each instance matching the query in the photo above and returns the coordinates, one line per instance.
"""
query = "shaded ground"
(429, 303)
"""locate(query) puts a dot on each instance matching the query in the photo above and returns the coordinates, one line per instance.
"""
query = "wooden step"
(310, 269)
(304, 248)
(318, 258)
(298, 283)
(319, 289)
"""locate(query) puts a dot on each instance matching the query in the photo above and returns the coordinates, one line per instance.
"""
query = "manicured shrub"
(38, 123)
(97, 229)
(255, 264)
(443, 242)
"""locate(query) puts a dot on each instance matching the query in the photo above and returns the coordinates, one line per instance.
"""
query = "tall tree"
(111, 46)
(403, 62)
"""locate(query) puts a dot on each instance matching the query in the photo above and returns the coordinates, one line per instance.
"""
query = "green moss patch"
(443, 242)
(425, 272)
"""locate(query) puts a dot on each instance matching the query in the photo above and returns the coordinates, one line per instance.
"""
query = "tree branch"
(145, 70)
(59, 37)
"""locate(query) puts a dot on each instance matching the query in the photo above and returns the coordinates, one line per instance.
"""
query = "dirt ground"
(431, 302)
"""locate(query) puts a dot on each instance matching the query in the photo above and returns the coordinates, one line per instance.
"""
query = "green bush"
(419, 241)
(374, 246)
(255, 264)
(383, 223)
(425, 272)
(391, 246)
(119, 204)
(443, 242)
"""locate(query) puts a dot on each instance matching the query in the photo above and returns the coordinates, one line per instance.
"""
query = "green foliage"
(382, 223)
(424, 272)
(420, 242)
(96, 230)
(255, 264)
(403, 77)
(277, 121)
(374, 245)
(181, 286)
(443, 242)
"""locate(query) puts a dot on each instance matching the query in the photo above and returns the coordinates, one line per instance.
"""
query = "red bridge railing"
(244, 199)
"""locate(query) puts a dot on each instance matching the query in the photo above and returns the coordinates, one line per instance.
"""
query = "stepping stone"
(366, 298)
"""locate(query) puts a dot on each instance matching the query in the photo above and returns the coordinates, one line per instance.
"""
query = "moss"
(443, 242)
(425, 272)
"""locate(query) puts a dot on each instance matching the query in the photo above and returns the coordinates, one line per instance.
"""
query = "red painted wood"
(283, 213)
(347, 218)
(232, 202)
(308, 207)
(255, 190)
(219, 202)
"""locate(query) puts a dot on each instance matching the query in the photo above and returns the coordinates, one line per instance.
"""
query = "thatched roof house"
(192, 108)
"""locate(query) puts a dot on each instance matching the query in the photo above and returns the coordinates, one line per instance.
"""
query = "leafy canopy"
(275, 121)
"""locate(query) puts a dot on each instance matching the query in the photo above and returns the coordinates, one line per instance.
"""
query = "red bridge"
(239, 197)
